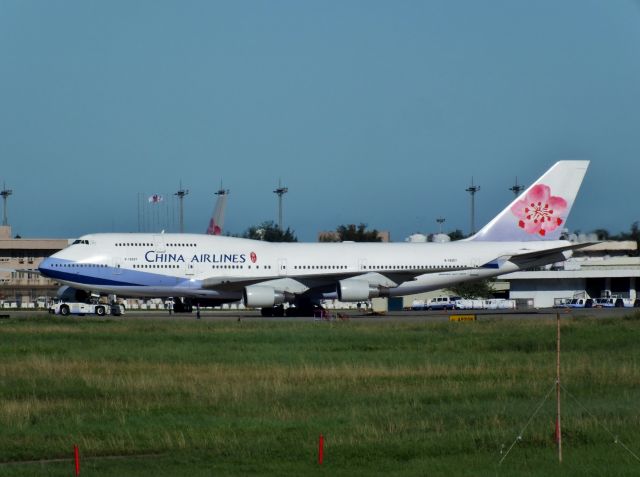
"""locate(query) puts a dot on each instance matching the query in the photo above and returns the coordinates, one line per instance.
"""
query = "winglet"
(541, 211)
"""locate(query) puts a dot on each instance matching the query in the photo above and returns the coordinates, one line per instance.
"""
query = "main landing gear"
(307, 309)
(276, 311)
(180, 306)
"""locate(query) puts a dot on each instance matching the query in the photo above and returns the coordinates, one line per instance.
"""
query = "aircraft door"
(189, 269)
(282, 267)
(362, 264)
(117, 265)
(474, 266)
(159, 244)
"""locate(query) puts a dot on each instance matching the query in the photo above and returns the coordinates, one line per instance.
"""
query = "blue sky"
(375, 112)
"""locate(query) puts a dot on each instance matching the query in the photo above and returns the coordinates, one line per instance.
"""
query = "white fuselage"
(192, 265)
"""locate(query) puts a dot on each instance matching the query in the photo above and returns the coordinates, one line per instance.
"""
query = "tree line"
(270, 232)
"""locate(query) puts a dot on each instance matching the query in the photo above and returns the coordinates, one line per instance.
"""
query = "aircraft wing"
(231, 283)
(389, 278)
(238, 283)
(526, 259)
(401, 276)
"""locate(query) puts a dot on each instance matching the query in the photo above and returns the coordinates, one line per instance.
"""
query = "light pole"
(280, 191)
(440, 221)
(516, 188)
(181, 194)
(5, 193)
(472, 189)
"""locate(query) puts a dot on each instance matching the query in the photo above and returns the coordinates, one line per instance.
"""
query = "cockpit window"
(83, 242)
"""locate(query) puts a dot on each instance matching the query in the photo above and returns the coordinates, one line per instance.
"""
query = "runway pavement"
(355, 315)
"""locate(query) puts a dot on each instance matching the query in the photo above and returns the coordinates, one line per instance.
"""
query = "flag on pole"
(155, 199)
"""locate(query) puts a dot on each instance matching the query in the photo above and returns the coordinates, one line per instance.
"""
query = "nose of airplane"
(45, 266)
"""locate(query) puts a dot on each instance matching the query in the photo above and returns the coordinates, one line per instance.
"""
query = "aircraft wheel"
(293, 311)
(266, 311)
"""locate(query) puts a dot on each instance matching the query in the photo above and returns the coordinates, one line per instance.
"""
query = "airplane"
(212, 269)
(216, 223)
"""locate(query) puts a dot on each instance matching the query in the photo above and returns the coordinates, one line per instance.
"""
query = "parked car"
(442, 303)
(488, 304)
(604, 303)
(580, 303)
(616, 302)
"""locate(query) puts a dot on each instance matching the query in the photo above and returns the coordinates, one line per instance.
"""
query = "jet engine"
(257, 296)
(359, 290)
(68, 293)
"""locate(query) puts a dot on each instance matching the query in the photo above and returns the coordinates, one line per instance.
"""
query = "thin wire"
(615, 438)
(519, 437)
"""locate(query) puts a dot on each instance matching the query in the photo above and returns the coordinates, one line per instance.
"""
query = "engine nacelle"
(258, 296)
(68, 293)
(358, 290)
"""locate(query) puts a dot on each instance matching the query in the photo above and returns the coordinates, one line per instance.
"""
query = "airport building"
(20, 284)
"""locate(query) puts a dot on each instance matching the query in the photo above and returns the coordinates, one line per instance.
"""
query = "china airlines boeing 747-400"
(209, 269)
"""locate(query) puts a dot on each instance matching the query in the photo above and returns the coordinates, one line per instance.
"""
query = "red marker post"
(76, 456)
(320, 449)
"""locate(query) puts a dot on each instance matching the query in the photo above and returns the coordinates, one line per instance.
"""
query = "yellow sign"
(462, 317)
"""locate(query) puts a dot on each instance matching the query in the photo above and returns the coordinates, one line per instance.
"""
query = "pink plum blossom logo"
(539, 212)
(213, 229)
(253, 257)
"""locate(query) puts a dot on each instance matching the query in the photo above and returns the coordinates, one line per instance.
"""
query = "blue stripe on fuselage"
(69, 271)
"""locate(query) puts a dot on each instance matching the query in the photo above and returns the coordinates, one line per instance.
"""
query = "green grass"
(189, 397)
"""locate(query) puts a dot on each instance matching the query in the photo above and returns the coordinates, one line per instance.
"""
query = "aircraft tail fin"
(541, 211)
(216, 223)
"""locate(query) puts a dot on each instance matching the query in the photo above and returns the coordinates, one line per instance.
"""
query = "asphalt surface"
(355, 315)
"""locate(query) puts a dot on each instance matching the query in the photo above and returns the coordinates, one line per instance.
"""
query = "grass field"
(187, 397)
